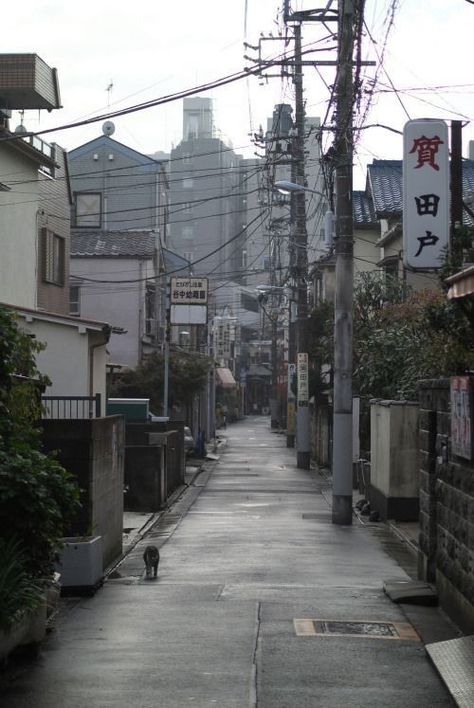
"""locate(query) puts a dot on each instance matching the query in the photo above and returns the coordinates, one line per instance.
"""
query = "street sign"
(425, 193)
(189, 291)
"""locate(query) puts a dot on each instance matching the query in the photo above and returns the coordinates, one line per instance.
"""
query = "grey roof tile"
(384, 181)
(126, 244)
(113, 243)
(363, 209)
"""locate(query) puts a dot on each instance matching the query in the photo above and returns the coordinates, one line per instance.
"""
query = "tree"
(399, 337)
(38, 497)
(402, 336)
(187, 376)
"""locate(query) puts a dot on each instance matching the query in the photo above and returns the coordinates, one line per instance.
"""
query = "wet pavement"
(253, 581)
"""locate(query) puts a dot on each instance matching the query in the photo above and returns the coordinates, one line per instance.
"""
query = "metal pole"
(456, 175)
(166, 356)
(342, 431)
(302, 411)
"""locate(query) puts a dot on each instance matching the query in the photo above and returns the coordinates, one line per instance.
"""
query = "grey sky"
(153, 49)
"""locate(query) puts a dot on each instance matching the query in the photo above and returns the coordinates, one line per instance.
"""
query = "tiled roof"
(384, 182)
(128, 244)
(363, 209)
(113, 243)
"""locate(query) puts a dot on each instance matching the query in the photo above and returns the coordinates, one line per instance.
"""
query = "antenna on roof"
(109, 92)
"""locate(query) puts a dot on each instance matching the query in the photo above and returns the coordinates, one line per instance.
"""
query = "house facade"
(121, 276)
(35, 201)
(117, 188)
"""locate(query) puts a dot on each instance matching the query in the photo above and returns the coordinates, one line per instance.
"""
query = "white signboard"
(188, 291)
(224, 337)
(303, 383)
(188, 314)
(425, 193)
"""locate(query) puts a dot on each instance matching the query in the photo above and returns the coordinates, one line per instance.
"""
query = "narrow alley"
(251, 571)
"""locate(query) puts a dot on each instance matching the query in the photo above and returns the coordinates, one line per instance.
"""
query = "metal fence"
(71, 407)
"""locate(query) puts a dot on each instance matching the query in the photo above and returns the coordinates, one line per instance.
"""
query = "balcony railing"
(71, 407)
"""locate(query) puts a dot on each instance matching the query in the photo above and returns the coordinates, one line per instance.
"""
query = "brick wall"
(446, 507)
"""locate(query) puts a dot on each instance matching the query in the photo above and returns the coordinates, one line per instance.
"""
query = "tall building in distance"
(206, 212)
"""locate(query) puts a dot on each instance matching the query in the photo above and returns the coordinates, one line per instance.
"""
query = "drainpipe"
(106, 331)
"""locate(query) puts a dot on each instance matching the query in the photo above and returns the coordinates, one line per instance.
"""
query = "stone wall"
(446, 507)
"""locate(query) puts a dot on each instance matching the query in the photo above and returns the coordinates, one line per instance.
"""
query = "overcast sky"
(151, 49)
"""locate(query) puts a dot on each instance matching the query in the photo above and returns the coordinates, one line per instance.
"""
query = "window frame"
(98, 223)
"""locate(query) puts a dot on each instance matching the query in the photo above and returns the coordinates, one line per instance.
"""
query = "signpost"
(188, 300)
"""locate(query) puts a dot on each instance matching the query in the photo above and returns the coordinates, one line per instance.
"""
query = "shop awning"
(225, 378)
(461, 284)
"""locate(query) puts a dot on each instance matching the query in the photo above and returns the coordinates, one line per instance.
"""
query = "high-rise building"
(206, 212)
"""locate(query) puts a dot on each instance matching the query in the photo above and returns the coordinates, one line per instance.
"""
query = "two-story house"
(35, 200)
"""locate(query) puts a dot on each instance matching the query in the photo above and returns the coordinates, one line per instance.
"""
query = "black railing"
(71, 407)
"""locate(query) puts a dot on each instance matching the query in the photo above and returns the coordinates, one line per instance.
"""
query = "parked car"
(188, 441)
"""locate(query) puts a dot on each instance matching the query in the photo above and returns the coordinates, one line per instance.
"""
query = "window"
(188, 183)
(88, 209)
(186, 158)
(187, 207)
(188, 256)
(52, 249)
(75, 300)
(188, 233)
(244, 258)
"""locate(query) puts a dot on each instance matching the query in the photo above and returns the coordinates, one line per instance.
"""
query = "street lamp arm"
(286, 187)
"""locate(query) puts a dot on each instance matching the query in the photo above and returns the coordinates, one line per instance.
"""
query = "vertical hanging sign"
(425, 193)
(303, 384)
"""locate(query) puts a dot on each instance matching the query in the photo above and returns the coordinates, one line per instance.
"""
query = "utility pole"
(344, 246)
(456, 175)
(303, 451)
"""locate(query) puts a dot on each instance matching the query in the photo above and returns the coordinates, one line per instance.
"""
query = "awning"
(461, 284)
(225, 378)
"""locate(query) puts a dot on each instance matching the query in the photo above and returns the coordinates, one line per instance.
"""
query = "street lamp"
(303, 445)
(286, 187)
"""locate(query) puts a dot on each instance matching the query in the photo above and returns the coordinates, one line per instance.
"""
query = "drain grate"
(354, 628)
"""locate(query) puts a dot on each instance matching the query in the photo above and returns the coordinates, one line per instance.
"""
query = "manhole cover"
(355, 628)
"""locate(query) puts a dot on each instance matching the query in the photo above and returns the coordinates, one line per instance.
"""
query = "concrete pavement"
(251, 571)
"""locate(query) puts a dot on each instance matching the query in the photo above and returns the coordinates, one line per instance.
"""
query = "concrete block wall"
(93, 451)
(394, 454)
(446, 507)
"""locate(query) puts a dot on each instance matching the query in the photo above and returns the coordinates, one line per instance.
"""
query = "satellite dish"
(108, 128)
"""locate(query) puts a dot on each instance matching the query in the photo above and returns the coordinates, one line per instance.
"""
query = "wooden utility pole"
(344, 246)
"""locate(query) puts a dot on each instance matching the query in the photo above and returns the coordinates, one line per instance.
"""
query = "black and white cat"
(151, 556)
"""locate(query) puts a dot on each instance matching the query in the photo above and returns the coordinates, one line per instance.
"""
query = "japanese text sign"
(303, 382)
(188, 291)
(425, 193)
(461, 416)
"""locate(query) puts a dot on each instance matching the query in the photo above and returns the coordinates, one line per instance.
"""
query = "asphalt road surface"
(258, 603)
